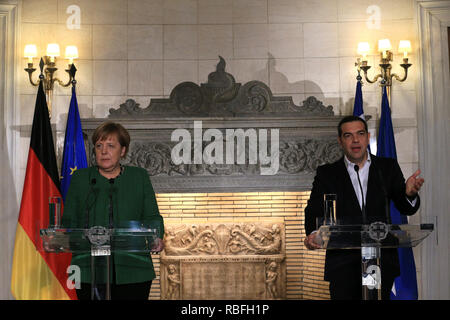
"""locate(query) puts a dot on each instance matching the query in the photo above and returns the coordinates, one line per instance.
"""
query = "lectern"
(370, 238)
(100, 242)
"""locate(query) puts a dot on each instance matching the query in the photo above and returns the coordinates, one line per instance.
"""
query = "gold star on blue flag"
(72, 170)
(74, 155)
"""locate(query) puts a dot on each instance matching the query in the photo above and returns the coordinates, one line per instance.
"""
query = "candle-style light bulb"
(384, 45)
(53, 51)
(405, 47)
(30, 52)
(363, 49)
(71, 53)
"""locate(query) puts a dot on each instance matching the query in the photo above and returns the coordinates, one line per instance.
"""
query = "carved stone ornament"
(294, 157)
(249, 257)
(224, 239)
(304, 137)
(221, 96)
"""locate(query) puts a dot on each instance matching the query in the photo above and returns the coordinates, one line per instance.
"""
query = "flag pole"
(72, 72)
(388, 91)
(47, 93)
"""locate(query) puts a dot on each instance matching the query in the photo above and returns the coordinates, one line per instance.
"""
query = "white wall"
(142, 48)
(8, 197)
(434, 143)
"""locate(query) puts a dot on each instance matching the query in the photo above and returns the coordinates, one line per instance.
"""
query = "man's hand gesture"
(413, 184)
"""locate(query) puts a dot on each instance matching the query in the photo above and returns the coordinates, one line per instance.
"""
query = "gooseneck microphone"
(387, 202)
(89, 205)
(111, 213)
(363, 206)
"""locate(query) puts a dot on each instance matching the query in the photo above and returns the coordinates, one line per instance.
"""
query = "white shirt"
(363, 176)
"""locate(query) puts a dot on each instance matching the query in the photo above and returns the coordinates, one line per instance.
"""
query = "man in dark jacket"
(380, 177)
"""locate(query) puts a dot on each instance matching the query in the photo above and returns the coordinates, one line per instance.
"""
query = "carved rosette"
(188, 98)
(155, 157)
(254, 97)
(306, 156)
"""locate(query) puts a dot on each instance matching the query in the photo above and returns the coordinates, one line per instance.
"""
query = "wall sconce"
(48, 68)
(386, 56)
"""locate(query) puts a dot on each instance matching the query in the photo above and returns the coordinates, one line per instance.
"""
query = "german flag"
(38, 275)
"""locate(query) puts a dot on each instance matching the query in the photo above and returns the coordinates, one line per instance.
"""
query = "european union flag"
(405, 286)
(74, 154)
(358, 106)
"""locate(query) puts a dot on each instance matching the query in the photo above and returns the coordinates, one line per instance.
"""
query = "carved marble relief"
(224, 261)
(295, 157)
(222, 96)
(306, 135)
(223, 239)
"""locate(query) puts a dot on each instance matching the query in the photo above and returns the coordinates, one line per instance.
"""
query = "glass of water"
(329, 204)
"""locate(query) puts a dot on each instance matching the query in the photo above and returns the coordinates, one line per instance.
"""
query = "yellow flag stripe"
(31, 278)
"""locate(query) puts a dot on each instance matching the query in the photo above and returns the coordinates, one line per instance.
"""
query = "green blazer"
(133, 200)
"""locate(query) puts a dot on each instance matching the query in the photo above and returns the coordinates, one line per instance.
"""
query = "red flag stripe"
(34, 215)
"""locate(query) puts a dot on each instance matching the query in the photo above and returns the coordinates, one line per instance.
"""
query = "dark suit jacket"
(334, 178)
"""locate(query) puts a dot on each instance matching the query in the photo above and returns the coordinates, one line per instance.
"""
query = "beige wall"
(142, 48)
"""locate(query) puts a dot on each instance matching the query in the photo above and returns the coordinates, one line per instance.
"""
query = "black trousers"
(131, 291)
(345, 284)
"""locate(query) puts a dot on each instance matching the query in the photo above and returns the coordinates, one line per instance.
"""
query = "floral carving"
(307, 155)
(295, 157)
(220, 239)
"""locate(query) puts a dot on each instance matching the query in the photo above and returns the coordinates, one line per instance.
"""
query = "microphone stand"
(88, 206)
(363, 207)
(111, 226)
(111, 213)
(387, 204)
(370, 256)
(92, 183)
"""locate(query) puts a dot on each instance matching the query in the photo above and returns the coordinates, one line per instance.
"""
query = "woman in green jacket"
(128, 190)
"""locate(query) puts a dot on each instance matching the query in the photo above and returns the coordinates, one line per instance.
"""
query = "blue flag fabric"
(74, 154)
(405, 286)
(358, 106)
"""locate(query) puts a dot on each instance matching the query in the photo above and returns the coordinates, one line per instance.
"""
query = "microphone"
(363, 207)
(89, 206)
(111, 213)
(387, 207)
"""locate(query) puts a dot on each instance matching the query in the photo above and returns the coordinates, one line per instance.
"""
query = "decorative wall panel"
(237, 137)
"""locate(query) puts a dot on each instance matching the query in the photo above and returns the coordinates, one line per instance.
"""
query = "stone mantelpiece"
(306, 136)
(248, 258)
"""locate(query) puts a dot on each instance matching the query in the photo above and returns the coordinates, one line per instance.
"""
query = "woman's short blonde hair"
(109, 128)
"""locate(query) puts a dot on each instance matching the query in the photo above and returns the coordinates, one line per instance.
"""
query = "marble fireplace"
(234, 227)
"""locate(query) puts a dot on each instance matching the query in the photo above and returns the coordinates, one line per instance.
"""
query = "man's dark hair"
(350, 119)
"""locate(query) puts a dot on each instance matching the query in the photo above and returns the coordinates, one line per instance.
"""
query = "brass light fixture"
(48, 67)
(386, 56)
